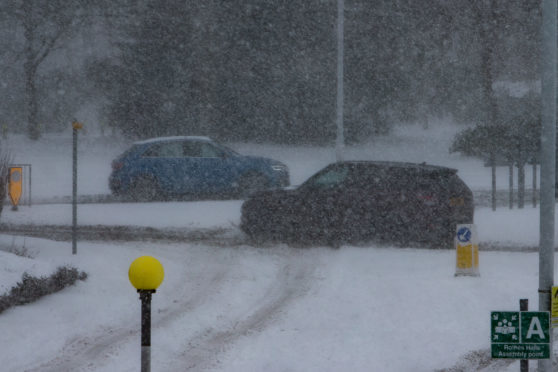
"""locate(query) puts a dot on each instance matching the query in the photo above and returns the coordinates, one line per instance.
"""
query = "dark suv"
(164, 167)
(357, 201)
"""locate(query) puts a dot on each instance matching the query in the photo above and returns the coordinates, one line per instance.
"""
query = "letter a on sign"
(535, 329)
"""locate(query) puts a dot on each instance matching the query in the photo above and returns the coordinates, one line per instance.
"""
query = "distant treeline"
(262, 70)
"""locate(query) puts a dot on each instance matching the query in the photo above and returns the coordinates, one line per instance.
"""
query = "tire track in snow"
(477, 361)
(293, 280)
(94, 352)
(481, 361)
(79, 354)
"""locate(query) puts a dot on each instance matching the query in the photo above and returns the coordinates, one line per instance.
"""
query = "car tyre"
(256, 236)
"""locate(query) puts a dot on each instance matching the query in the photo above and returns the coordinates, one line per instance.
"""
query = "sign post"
(75, 127)
(524, 363)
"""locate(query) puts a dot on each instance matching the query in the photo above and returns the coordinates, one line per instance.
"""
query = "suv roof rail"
(400, 164)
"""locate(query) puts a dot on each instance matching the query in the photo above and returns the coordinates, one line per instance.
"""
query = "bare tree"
(5, 161)
(44, 23)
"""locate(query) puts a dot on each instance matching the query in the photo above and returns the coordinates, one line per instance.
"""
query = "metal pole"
(511, 185)
(493, 173)
(548, 162)
(30, 179)
(524, 363)
(340, 140)
(145, 297)
(534, 185)
(74, 190)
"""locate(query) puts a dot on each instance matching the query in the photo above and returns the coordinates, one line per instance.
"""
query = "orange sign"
(15, 184)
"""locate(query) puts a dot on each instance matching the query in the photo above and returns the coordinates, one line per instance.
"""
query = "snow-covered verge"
(270, 308)
(246, 308)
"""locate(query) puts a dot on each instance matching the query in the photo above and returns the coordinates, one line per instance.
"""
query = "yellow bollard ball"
(146, 272)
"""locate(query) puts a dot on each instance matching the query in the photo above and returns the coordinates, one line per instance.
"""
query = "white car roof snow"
(172, 138)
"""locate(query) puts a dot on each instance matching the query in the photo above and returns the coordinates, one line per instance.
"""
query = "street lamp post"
(340, 139)
(146, 274)
(548, 161)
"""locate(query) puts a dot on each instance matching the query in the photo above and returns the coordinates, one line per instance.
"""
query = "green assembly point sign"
(520, 334)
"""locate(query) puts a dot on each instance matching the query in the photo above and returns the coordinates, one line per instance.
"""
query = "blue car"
(168, 167)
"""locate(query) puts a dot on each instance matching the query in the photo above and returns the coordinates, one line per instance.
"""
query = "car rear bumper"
(115, 185)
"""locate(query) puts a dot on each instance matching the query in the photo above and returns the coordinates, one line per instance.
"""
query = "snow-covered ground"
(246, 308)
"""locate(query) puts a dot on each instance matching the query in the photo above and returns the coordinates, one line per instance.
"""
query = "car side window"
(192, 149)
(164, 150)
(330, 178)
(210, 151)
(151, 152)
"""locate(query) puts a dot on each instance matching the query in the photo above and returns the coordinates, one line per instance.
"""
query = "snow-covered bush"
(31, 288)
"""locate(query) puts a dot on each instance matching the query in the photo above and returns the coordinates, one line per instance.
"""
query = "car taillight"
(427, 199)
(457, 201)
(116, 165)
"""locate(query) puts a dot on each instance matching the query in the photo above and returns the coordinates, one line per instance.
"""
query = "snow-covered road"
(217, 222)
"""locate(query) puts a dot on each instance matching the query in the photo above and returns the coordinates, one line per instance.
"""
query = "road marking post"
(467, 250)
(15, 188)
(23, 190)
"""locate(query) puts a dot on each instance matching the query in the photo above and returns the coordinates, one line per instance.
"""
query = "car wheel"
(145, 188)
(251, 183)
(256, 235)
(357, 228)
